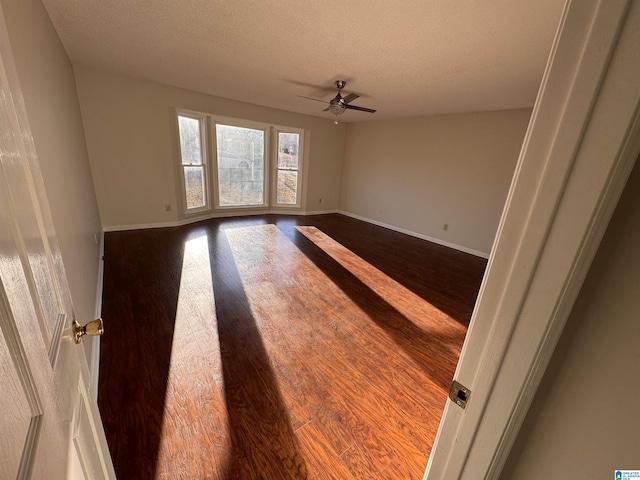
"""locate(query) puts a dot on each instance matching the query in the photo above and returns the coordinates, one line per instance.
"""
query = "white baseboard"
(94, 363)
(200, 218)
(418, 235)
(146, 226)
(322, 212)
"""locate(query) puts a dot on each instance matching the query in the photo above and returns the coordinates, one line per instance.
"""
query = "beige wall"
(420, 173)
(130, 131)
(49, 91)
(585, 418)
(414, 174)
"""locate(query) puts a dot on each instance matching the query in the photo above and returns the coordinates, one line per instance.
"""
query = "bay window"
(253, 165)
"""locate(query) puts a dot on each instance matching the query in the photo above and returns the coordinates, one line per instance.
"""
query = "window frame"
(239, 123)
(204, 154)
(300, 170)
(208, 142)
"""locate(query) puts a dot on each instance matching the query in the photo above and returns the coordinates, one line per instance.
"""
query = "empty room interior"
(283, 213)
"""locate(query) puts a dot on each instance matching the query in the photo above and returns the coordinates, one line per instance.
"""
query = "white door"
(49, 423)
(582, 142)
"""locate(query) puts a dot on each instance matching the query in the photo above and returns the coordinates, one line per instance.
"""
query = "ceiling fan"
(338, 104)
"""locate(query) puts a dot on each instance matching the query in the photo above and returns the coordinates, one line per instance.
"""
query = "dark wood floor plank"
(279, 347)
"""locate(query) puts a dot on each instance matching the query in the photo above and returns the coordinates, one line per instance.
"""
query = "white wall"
(49, 91)
(130, 131)
(420, 173)
(585, 418)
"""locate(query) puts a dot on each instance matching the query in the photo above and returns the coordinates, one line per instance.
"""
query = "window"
(240, 160)
(193, 161)
(288, 169)
(253, 165)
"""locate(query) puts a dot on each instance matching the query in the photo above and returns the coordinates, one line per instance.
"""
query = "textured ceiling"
(404, 58)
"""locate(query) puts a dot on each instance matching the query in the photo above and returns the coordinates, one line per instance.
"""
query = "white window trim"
(204, 146)
(301, 167)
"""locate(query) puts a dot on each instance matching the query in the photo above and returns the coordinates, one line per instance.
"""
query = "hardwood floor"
(279, 347)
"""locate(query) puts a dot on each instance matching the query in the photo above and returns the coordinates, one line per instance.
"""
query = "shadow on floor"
(444, 277)
(256, 412)
(428, 349)
(140, 296)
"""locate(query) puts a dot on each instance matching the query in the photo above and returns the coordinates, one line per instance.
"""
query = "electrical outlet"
(445, 227)
(320, 200)
(167, 207)
(95, 238)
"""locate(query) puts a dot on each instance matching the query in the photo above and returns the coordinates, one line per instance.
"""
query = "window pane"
(194, 186)
(240, 154)
(287, 187)
(190, 140)
(288, 150)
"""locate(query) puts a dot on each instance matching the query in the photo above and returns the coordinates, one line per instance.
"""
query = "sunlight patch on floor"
(412, 306)
(195, 349)
(266, 257)
(268, 266)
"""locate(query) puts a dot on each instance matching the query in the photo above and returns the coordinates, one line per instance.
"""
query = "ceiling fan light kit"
(338, 104)
(336, 108)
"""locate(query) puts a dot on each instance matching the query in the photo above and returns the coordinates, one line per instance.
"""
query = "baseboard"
(200, 218)
(146, 226)
(94, 363)
(418, 235)
(322, 212)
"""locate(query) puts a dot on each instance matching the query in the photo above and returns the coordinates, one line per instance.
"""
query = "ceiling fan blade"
(362, 109)
(326, 109)
(350, 98)
(310, 98)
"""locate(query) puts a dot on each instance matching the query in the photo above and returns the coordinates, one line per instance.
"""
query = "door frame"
(582, 142)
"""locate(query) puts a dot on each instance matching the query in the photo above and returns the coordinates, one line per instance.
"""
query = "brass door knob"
(92, 328)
